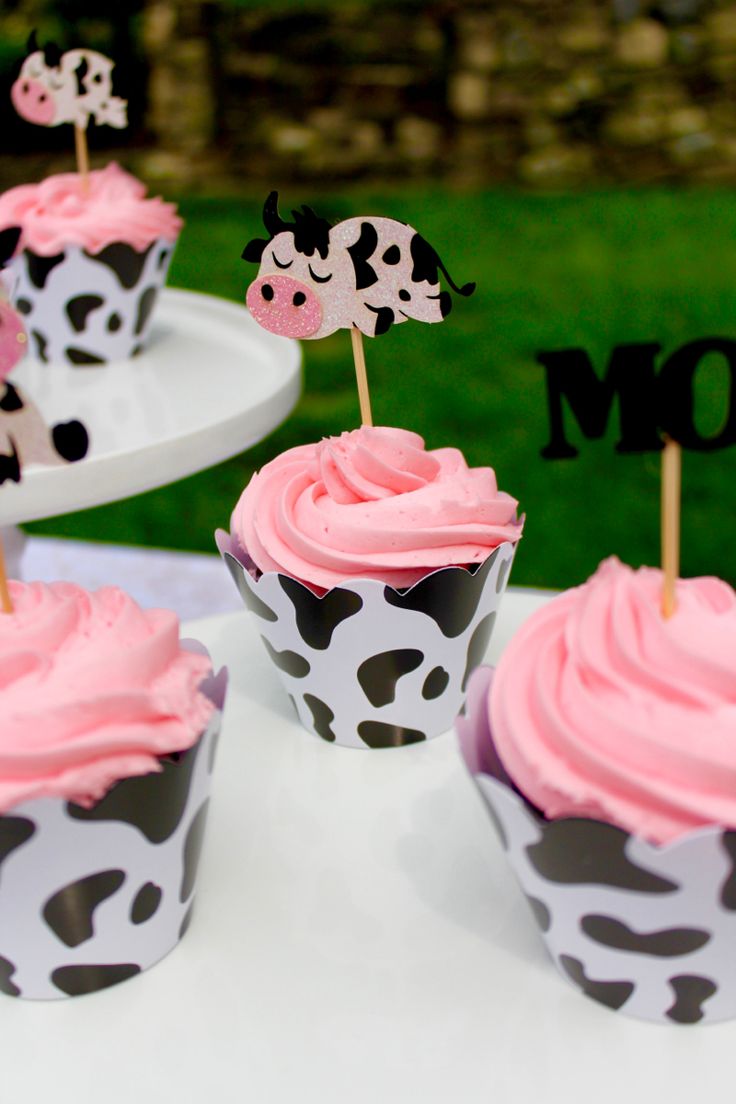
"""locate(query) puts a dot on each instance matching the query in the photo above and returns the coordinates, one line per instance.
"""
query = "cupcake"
(604, 747)
(106, 749)
(92, 259)
(374, 569)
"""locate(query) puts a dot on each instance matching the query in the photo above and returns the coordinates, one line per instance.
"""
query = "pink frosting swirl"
(601, 707)
(92, 690)
(373, 504)
(60, 212)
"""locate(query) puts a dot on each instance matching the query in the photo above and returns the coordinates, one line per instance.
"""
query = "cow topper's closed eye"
(364, 274)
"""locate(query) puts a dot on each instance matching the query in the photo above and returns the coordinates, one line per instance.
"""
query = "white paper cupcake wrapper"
(646, 930)
(85, 309)
(368, 666)
(91, 897)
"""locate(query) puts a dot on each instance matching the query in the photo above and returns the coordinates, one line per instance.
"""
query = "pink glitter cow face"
(370, 273)
(54, 88)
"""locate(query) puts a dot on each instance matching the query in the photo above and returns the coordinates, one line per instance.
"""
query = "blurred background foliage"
(577, 159)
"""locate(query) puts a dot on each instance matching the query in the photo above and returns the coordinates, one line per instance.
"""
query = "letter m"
(630, 375)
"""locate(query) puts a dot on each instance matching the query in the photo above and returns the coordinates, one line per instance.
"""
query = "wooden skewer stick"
(671, 481)
(5, 600)
(361, 376)
(82, 151)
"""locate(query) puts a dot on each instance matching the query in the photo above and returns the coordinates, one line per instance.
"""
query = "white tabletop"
(357, 938)
(210, 384)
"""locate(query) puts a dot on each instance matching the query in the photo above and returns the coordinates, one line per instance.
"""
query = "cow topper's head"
(53, 87)
(367, 273)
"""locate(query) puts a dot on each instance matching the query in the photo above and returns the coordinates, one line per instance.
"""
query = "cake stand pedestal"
(210, 384)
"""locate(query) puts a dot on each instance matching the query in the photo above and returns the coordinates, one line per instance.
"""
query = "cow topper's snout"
(284, 306)
(32, 101)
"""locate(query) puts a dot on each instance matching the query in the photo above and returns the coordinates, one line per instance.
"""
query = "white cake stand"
(210, 384)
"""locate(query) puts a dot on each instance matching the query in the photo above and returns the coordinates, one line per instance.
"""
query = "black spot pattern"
(137, 350)
(577, 851)
(81, 356)
(317, 618)
(384, 319)
(9, 238)
(25, 306)
(146, 304)
(162, 259)
(10, 465)
(667, 943)
(7, 969)
(449, 596)
(152, 803)
(503, 571)
(252, 601)
(125, 261)
(71, 440)
(392, 256)
(541, 913)
(114, 322)
(613, 994)
(69, 912)
(76, 980)
(40, 267)
(425, 261)
(404, 295)
(146, 902)
(41, 345)
(322, 716)
(11, 400)
(193, 851)
(14, 831)
(728, 889)
(691, 992)
(80, 73)
(377, 734)
(80, 307)
(360, 251)
(290, 662)
(477, 645)
(445, 303)
(379, 674)
(435, 683)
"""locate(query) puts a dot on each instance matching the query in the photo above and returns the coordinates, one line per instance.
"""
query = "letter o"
(675, 394)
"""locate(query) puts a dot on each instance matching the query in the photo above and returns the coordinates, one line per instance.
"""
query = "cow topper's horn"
(32, 46)
(272, 220)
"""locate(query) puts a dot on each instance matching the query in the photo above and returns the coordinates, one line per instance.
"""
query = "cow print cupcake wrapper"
(643, 929)
(91, 897)
(369, 666)
(89, 308)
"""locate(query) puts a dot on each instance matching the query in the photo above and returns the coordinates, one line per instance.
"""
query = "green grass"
(591, 270)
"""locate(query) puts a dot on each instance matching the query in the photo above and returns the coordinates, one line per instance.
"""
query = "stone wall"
(543, 93)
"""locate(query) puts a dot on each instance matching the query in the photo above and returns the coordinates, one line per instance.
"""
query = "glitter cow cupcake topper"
(73, 87)
(362, 274)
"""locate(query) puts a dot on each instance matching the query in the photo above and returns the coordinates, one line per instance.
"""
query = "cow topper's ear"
(9, 239)
(52, 54)
(254, 250)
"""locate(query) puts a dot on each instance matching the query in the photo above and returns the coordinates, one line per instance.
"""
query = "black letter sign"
(630, 374)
